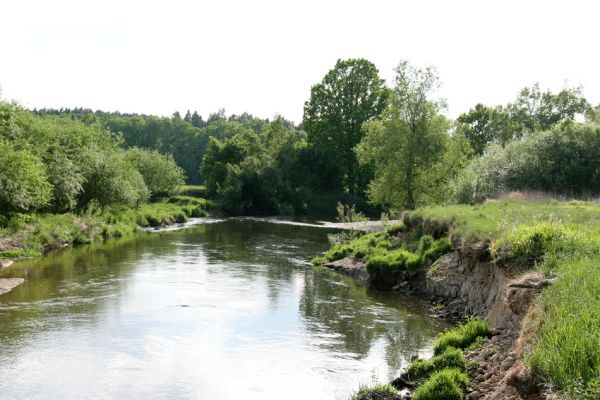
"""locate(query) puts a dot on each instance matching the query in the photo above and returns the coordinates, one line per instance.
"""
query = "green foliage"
(450, 358)
(462, 336)
(252, 173)
(563, 160)
(37, 233)
(112, 179)
(532, 111)
(408, 147)
(376, 392)
(395, 229)
(447, 384)
(350, 94)
(161, 174)
(24, 184)
(348, 213)
(532, 242)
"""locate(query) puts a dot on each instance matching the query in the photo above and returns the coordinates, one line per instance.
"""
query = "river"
(223, 310)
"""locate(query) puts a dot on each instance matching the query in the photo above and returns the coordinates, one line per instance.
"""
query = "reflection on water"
(227, 310)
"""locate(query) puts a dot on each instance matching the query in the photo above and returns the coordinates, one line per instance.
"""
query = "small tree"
(407, 142)
(161, 173)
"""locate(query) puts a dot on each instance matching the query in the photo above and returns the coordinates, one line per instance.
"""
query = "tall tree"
(407, 144)
(197, 120)
(348, 96)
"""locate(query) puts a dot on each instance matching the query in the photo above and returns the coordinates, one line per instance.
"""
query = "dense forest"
(361, 141)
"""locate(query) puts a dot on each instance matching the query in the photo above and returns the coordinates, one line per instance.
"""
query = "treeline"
(53, 163)
(185, 138)
(394, 147)
(362, 141)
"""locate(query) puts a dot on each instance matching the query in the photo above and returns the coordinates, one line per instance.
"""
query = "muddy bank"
(468, 283)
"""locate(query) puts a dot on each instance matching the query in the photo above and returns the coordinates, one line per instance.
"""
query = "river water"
(222, 310)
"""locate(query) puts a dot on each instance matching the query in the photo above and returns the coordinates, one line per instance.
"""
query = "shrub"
(447, 384)
(24, 184)
(461, 336)
(160, 172)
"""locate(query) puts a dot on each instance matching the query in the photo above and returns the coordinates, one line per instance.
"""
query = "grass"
(385, 252)
(192, 191)
(555, 237)
(450, 358)
(446, 384)
(376, 392)
(462, 336)
(30, 235)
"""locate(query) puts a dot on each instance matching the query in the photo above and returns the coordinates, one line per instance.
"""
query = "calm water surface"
(225, 310)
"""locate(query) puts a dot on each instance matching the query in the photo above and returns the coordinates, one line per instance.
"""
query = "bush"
(24, 184)
(541, 161)
(447, 384)
(461, 336)
(160, 172)
(111, 179)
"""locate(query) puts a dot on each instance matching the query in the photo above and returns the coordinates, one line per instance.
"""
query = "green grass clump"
(395, 229)
(450, 358)
(377, 392)
(462, 336)
(446, 384)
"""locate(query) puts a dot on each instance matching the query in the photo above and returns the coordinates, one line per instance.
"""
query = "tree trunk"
(410, 197)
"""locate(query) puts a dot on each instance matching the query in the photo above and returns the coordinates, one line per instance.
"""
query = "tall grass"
(560, 238)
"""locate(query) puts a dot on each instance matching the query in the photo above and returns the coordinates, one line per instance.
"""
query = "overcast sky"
(258, 56)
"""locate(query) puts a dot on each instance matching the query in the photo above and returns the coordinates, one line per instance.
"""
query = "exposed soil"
(468, 283)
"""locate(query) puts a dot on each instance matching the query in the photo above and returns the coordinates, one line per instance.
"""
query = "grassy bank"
(30, 235)
(560, 238)
(554, 237)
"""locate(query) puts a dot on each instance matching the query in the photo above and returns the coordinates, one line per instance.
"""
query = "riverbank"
(32, 235)
(526, 268)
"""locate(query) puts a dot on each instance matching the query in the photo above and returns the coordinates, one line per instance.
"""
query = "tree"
(408, 142)
(532, 111)
(188, 117)
(481, 125)
(112, 179)
(349, 95)
(160, 172)
(23, 182)
(196, 120)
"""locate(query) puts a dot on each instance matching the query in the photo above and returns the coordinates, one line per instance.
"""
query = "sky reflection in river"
(228, 310)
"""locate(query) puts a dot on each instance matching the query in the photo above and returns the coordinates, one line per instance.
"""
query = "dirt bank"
(464, 283)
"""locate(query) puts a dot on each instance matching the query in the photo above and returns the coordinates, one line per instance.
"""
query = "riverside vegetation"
(560, 239)
(75, 175)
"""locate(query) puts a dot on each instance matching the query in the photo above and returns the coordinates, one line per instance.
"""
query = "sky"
(261, 57)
